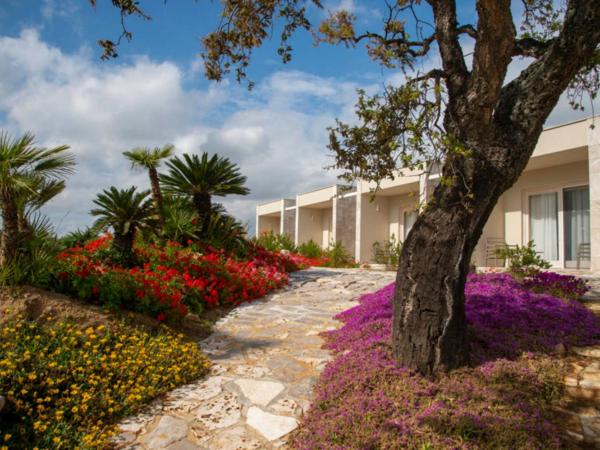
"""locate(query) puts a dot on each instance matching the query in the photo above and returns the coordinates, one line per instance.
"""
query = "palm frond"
(146, 158)
(191, 175)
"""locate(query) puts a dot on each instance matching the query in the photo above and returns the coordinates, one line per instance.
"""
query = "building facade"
(555, 203)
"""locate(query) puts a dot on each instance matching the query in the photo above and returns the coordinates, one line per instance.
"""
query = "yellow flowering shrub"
(67, 387)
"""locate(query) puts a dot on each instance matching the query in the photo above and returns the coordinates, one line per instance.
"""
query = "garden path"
(267, 356)
(581, 412)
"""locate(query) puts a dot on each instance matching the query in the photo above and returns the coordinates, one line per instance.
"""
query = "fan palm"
(23, 167)
(201, 178)
(31, 201)
(125, 211)
(149, 159)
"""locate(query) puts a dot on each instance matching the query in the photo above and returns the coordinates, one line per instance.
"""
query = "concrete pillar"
(594, 168)
(296, 221)
(344, 214)
(358, 218)
(256, 232)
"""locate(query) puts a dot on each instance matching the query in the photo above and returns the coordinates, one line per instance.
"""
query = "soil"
(37, 304)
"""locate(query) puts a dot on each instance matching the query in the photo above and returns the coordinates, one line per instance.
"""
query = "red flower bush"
(173, 279)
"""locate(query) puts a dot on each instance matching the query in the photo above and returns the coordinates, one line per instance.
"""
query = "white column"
(334, 216)
(358, 217)
(256, 233)
(297, 219)
(594, 172)
(282, 217)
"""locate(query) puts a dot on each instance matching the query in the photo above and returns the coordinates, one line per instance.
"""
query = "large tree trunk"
(499, 125)
(156, 193)
(203, 205)
(10, 230)
(429, 328)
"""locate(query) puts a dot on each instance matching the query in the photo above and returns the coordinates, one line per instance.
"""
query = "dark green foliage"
(310, 249)
(125, 211)
(275, 242)
(523, 260)
(192, 175)
(387, 252)
(337, 256)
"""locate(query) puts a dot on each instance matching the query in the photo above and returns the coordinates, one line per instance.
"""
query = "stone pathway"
(581, 412)
(267, 356)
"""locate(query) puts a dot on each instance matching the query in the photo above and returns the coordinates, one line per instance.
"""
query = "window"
(543, 224)
(576, 205)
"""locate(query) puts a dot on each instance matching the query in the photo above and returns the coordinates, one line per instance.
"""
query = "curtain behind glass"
(577, 220)
(543, 224)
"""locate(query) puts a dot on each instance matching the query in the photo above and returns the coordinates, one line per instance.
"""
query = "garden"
(509, 397)
(149, 261)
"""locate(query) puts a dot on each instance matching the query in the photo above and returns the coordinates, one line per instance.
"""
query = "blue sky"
(53, 83)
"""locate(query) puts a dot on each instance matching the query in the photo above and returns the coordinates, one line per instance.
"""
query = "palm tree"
(201, 178)
(23, 168)
(125, 211)
(150, 159)
(31, 201)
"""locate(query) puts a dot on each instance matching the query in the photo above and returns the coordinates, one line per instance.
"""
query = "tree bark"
(203, 205)
(499, 125)
(9, 245)
(122, 244)
(429, 324)
(156, 193)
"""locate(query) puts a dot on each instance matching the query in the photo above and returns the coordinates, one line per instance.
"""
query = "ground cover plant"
(170, 280)
(67, 387)
(365, 399)
(563, 286)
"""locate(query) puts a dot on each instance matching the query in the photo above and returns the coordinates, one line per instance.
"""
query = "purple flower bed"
(365, 400)
(563, 286)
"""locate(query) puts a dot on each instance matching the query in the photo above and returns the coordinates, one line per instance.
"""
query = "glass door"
(576, 205)
(543, 224)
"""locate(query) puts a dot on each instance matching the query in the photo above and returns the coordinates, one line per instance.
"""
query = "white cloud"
(277, 133)
(363, 13)
(61, 8)
(100, 110)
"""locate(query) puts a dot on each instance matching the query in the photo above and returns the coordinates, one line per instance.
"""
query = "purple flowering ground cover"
(364, 400)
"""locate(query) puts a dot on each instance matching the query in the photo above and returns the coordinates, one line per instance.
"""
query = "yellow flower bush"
(66, 388)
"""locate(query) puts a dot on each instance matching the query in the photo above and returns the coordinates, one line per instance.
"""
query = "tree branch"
(531, 47)
(446, 32)
(493, 53)
(527, 100)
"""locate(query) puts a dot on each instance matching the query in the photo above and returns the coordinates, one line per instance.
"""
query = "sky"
(53, 83)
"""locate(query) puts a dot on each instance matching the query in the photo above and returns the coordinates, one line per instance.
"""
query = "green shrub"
(275, 242)
(523, 260)
(337, 256)
(67, 388)
(79, 237)
(310, 249)
(387, 252)
(36, 255)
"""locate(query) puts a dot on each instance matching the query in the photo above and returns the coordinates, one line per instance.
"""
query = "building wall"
(315, 224)
(537, 181)
(594, 178)
(268, 223)
(374, 226)
(345, 222)
(494, 229)
(289, 222)
(397, 205)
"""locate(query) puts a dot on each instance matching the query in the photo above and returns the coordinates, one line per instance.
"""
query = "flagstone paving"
(267, 355)
(581, 412)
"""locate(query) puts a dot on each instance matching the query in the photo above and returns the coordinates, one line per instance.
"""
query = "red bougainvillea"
(172, 279)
